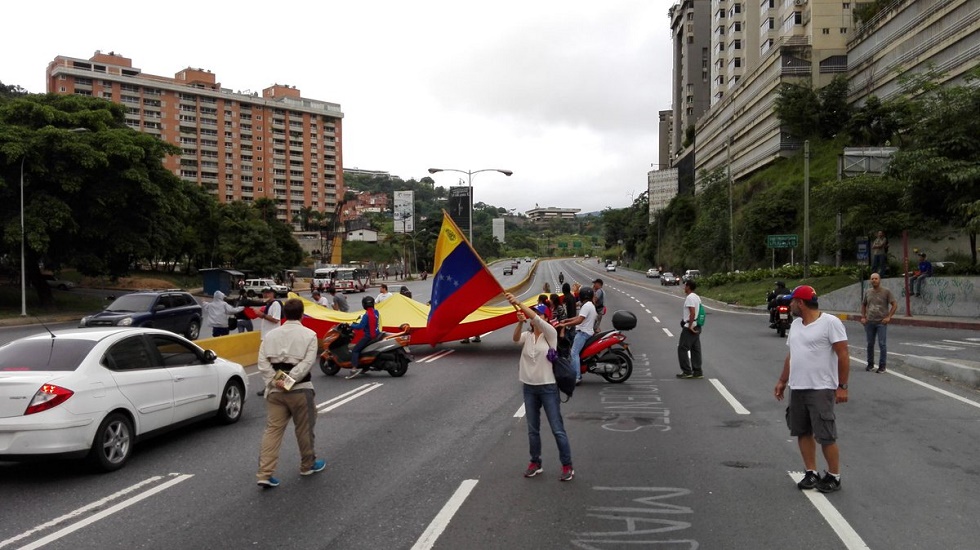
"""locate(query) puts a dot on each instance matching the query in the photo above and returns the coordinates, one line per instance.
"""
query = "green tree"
(941, 164)
(835, 111)
(873, 124)
(798, 109)
(97, 200)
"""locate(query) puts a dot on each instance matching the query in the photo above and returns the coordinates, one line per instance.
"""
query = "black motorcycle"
(782, 317)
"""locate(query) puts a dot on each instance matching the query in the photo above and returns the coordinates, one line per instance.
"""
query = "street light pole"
(469, 175)
(415, 255)
(23, 237)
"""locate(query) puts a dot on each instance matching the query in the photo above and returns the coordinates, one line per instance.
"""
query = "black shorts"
(812, 412)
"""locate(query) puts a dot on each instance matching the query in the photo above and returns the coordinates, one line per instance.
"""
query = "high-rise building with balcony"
(782, 41)
(690, 23)
(238, 145)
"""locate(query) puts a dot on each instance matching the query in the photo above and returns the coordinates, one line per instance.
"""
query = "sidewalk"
(932, 321)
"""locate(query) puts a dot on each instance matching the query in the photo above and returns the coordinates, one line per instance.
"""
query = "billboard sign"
(404, 212)
(498, 230)
(460, 206)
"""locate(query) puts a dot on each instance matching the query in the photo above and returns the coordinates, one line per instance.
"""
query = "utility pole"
(806, 209)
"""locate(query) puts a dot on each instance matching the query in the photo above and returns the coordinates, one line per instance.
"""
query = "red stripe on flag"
(464, 300)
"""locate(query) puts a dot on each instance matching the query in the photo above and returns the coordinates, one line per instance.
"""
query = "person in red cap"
(816, 370)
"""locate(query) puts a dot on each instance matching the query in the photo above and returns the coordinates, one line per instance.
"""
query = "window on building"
(843, 30)
(846, 5)
(798, 17)
(826, 31)
(737, 44)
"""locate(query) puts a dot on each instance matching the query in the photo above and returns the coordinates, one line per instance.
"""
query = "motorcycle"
(784, 317)
(385, 352)
(607, 354)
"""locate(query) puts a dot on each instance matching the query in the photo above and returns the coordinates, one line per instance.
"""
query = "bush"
(791, 272)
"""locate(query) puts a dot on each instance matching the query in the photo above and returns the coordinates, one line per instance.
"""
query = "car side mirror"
(210, 356)
(159, 307)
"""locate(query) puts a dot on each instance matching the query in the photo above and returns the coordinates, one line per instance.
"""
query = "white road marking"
(932, 346)
(441, 521)
(934, 388)
(847, 534)
(739, 409)
(347, 397)
(962, 343)
(435, 356)
(97, 504)
(107, 512)
(520, 412)
(648, 312)
(655, 319)
(668, 332)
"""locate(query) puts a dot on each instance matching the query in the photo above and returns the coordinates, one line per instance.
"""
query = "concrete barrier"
(941, 297)
(242, 348)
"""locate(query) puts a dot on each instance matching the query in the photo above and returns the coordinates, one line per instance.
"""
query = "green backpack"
(701, 315)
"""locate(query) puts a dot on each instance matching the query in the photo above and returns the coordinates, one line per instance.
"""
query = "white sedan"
(95, 392)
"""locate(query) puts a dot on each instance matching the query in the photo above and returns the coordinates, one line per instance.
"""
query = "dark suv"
(173, 310)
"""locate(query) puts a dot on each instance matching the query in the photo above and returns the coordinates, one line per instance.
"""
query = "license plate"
(783, 316)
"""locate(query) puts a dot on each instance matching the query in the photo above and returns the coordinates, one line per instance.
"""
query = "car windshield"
(44, 354)
(132, 302)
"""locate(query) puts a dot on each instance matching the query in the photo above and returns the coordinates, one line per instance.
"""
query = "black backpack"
(561, 366)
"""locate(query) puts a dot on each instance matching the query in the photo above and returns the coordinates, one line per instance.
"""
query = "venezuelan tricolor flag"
(461, 284)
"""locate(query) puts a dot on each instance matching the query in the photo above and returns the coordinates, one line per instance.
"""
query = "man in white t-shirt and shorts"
(584, 323)
(816, 370)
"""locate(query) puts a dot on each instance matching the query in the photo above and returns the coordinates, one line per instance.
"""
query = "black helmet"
(367, 302)
(585, 294)
(780, 284)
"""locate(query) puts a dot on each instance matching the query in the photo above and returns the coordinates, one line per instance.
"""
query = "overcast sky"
(563, 93)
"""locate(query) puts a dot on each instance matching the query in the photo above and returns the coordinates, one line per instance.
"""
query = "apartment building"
(690, 32)
(798, 41)
(544, 215)
(734, 43)
(912, 36)
(661, 189)
(239, 145)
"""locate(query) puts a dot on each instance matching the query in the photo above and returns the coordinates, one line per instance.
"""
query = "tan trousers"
(280, 407)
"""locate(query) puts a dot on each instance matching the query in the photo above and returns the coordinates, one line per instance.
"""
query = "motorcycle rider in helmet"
(370, 323)
(773, 299)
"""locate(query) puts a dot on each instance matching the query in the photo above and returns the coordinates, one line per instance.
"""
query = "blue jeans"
(577, 344)
(881, 331)
(355, 354)
(916, 283)
(536, 397)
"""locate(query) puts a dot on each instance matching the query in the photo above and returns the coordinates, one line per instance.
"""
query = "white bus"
(344, 279)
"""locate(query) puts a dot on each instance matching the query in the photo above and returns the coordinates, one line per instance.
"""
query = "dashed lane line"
(739, 409)
(442, 519)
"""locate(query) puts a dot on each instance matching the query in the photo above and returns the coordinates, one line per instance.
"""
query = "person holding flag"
(461, 283)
